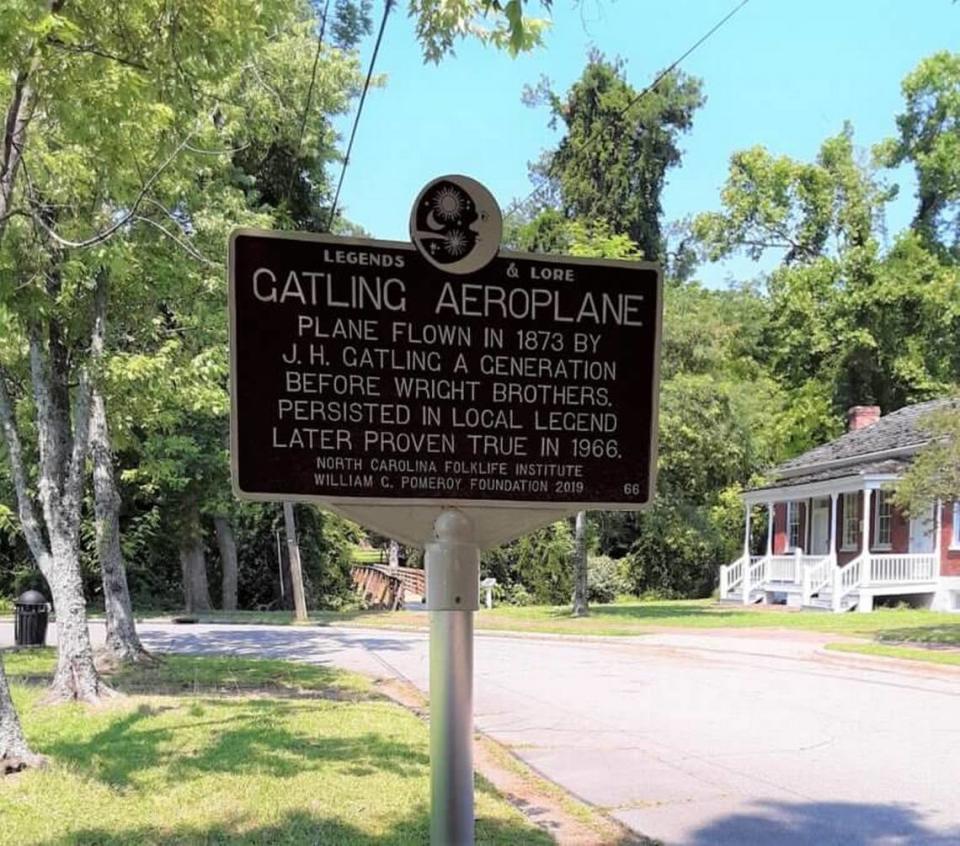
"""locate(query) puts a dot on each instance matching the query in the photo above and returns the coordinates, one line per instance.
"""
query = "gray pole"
(453, 594)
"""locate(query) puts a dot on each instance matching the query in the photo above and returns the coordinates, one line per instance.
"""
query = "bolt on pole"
(453, 594)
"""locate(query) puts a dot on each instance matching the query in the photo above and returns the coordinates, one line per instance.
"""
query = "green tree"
(929, 139)
(550, 232)
(848, 321)
(612, 161)
(441, 23)
(935, 471)
(115, 105)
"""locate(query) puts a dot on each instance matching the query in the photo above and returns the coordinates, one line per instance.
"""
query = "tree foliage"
(612, 161)
(929, 139)
(502, 23)
(935, 471)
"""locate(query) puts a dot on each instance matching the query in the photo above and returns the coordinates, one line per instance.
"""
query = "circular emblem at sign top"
(456, 224)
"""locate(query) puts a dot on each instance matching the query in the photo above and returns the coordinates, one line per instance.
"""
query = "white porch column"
(937, 519)
(745, 584)
(833, 527)
(746, 533)
(866, 575)
(770, 508)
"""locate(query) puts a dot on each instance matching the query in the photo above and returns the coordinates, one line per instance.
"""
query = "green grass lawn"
(636, 617)
(228, 751)
(366, 556)
(927, 655)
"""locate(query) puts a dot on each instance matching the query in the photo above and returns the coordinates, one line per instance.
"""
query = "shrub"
(606, 578)
(511, 594)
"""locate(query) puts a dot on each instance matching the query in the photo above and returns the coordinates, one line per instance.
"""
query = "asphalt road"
(694, 738)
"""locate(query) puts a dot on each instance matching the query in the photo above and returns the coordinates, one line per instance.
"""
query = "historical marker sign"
(363, 373)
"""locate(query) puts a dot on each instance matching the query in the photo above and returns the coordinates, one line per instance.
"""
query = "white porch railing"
(817, 576)
(816, 573)
(846, 579)
(755, 574)
(785, 568)
(730, 576)
(900, 569)
(791, 568)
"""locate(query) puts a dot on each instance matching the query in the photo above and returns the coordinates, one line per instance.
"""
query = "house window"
(955, 543)
(851, 521)
(883, 513)
(793, 526)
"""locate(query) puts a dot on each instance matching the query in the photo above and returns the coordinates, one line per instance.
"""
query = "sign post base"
(453, 593)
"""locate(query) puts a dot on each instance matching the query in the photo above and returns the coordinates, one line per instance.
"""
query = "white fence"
(815, 573)
(900, 569)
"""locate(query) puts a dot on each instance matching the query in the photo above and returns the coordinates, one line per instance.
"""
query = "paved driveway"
(694, 738)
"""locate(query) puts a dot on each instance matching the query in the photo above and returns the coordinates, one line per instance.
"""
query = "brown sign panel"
(363, 373)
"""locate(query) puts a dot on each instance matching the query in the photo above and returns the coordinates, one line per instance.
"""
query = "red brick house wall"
(949, 558)
(779, 528)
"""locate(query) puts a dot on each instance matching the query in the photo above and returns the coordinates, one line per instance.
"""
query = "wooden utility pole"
(296, 572)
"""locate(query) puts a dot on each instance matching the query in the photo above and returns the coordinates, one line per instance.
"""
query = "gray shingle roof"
(893, 467)
(898, 430)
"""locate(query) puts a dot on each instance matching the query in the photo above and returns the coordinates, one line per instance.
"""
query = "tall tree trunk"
(122, 640)
(15, 752)
(62, 437)
(228, 556)
(63, 452)
(196, 592)
(296, 571)
(580, 587)
(76, 676)
(62, 460)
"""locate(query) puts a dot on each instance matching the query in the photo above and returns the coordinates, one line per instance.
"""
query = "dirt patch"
(567, 820)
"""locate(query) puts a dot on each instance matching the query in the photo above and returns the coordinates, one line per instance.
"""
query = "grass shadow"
(945, 635)
(649, 612)
(236, 736)
(300, 829)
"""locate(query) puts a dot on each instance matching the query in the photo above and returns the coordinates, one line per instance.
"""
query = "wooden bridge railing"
(385, 587)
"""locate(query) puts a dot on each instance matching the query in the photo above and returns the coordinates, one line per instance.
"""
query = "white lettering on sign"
(312, 288)
(377, 376)
(469, 300)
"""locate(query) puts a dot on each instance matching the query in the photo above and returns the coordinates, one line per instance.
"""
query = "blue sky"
(784, 75)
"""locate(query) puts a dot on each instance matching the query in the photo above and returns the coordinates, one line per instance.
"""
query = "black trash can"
(30, 619)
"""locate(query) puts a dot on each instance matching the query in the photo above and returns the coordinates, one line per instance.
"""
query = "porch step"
(824, 602)
(735, 597)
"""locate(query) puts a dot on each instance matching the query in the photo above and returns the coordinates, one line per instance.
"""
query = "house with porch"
(834, 540)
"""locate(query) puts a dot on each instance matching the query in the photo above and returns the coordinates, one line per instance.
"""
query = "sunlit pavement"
(694, 738)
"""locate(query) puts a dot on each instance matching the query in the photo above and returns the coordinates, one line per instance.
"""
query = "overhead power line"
(356, 120)
(673, 66)
(660, 77)
(310, 89)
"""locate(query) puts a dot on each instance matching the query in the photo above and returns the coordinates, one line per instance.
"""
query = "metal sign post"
(453, 582)
(447, 389)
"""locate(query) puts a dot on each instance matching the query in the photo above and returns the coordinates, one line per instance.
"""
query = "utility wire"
(660, 77)
(673, 66)
(313, 83)
(356, 120)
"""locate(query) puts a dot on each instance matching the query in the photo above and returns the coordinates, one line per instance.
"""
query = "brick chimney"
(861, 416)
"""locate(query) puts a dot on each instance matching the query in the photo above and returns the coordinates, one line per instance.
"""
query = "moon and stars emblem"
(456, 224)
